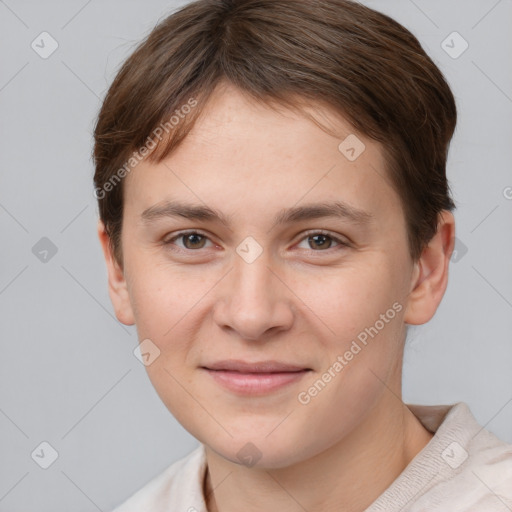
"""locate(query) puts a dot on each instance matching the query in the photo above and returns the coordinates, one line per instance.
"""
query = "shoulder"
(464, 467)
(480, 472)
(179, 487)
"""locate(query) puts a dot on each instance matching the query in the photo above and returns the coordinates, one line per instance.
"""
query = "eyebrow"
(336, 209)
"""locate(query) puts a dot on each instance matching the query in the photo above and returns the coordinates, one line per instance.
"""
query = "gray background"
(68, 374)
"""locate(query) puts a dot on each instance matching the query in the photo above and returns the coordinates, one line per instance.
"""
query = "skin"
(299, 302)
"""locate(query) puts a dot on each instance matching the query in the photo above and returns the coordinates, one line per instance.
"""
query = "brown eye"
(193, 241)
(188, 241)
(319, 242)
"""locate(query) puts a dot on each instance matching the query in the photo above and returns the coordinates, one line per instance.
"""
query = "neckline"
(449, 423)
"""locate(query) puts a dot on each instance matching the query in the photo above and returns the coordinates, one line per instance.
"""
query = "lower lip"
(255, 383)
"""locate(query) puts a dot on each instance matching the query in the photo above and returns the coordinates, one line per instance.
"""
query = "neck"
(348, 476)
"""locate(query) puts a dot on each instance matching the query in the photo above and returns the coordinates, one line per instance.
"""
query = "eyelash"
(308, 234)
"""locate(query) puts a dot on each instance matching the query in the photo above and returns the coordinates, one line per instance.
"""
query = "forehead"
(241, 154)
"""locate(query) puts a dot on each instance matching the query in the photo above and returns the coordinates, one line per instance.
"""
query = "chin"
(254, 451)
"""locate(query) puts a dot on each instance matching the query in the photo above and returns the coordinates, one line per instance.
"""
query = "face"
(266, 273)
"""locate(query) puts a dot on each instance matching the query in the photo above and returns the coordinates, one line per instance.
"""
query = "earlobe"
(430, 276)
(117, 286)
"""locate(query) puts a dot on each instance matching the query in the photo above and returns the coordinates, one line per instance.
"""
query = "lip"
(237, 365)
(254, 378)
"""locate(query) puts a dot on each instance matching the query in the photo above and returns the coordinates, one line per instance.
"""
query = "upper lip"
(237, 365)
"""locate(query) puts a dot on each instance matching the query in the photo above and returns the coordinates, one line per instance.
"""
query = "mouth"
(258, 378)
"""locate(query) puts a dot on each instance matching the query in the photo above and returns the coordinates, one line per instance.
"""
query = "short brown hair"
(339, 53)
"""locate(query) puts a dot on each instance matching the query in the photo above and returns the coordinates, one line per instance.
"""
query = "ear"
(430, 275)
(117, 287)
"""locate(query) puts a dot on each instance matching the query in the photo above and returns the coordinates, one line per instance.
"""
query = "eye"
(191, 240)
(317, 241)
(322, 241)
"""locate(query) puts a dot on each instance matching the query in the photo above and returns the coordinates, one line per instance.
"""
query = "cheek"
(351, 298)
(163, 295)
(364, 315)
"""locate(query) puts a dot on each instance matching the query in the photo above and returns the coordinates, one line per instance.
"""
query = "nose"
(253, 300)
